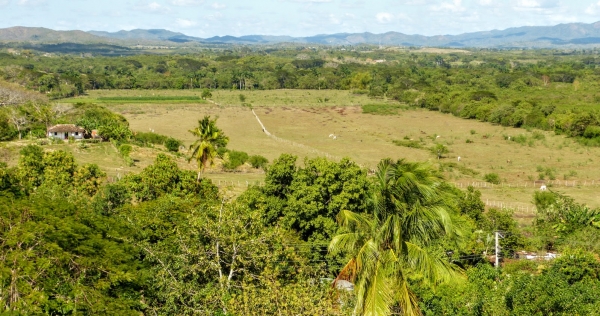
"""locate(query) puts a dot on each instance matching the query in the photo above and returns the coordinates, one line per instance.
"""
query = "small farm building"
(64, 131)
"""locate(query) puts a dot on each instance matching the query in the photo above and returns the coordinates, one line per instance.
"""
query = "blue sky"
(206, 18)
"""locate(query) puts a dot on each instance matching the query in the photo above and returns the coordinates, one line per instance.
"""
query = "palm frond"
(434, 269)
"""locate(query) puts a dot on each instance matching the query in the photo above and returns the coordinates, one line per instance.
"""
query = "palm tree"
(209, 139)
(409, 212)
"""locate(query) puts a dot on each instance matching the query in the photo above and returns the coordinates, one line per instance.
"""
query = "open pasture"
(518, 156)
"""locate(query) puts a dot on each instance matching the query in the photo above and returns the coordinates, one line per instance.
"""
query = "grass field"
(301, 122)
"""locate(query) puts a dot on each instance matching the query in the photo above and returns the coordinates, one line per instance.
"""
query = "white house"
(64, 131)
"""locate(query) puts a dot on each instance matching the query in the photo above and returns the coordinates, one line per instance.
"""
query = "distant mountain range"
(558, 36)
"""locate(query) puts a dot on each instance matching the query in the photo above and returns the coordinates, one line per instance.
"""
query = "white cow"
(458, 158)
(543, 187)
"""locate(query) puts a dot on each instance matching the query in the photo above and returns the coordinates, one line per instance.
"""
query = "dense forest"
(319, 237)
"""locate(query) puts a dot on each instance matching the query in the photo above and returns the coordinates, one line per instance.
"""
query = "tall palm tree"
(409, 212)
(209, 139)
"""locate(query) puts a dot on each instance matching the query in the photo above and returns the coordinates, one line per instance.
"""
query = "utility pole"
(498, 236)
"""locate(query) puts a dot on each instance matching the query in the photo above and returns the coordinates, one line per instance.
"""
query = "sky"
(207, 18)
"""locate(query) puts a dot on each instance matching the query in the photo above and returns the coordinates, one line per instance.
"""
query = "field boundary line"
(295, 144)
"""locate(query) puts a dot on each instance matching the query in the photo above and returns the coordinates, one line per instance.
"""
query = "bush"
(236, 159)
(408, 143)
(143, 139)
(258, 161)
(492, 178)
(381, 109)
(125, 150)
(172, 144)
(592, 132)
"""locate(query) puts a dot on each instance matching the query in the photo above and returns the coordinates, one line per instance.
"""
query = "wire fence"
(531, 184)
(520, 208)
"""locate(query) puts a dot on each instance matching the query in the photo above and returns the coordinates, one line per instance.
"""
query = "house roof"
(61, 128)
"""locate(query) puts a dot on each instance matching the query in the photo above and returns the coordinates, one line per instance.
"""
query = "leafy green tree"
(206, 94)
(409, 212)
(258, 161)
(30, 168)
(165, 178)
(208, 139)
(439, 150)
(59, 167)
(88, 179)
(471, 204)
(172, 144)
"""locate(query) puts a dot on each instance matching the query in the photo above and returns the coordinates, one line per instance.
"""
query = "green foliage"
(142, 99)
(381, 109)
(492, 178)
(209, 138)
(408, 143)
(165, 178)
(206, 94)
(235, 159)
(88, 179)
(147, 138)
(173, 144)
(125, 150)
(393, 238)
(502, 220)
(258, 161)
(439, 150)
(471, 204)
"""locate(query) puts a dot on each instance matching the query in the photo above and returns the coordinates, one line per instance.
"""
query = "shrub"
(538, 136)
(592, 132)
(492, 178)
(408, 143)
(125, 150)
(143, 139)
(236, 159)
(381, 109)
(172, 144)
(258, 161)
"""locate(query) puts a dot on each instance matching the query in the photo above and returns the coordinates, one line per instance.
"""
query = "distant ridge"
(558, 36)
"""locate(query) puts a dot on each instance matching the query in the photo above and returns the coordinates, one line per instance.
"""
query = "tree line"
(542, 89)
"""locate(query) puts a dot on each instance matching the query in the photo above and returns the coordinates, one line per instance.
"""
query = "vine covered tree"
(410, 211)
(208, 139)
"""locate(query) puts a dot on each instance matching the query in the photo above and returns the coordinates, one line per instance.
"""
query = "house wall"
(61, 135)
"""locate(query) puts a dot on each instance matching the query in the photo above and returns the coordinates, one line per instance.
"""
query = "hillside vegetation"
(364, 190)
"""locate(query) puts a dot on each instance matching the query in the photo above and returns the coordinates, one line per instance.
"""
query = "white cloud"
(416, 2)
(215, 17)
(4, 2)
(333, 19)
(218, 6)
(186, 23)
(593, 9)
(30, 2)
(454, 6)
(186, 3)
(311, 1)
(152, 7)
(536, 4)
(384, 17)
(486, 3)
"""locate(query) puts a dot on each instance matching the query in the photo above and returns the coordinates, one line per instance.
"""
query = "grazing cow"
(508, 161)
(437, 136)
(543, 187)
(331, 135)
(458, 158)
